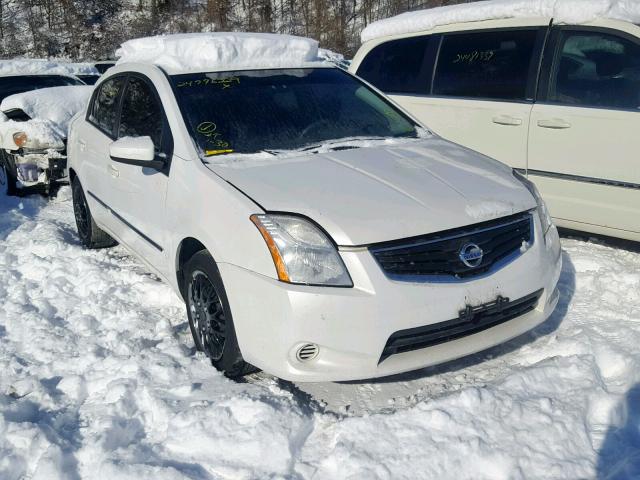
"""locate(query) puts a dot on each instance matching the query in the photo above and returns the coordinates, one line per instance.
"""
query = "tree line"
(82, 30)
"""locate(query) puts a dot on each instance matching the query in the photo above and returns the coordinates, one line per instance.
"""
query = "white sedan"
(313, 229)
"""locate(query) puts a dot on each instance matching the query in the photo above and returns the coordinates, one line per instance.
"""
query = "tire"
(206, 299)
(89, 233)
(7, 178)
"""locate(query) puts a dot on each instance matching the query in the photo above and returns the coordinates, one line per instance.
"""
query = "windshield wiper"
(341, 144)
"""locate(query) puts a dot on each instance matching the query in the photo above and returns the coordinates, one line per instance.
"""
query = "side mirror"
(138, 151)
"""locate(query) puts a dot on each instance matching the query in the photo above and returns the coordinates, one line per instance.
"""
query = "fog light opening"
(307, 352)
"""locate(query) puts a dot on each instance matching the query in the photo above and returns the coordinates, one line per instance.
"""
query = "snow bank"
(50, 109)
(26, 66)
(562, 11)
(219, 51)
(100, 380)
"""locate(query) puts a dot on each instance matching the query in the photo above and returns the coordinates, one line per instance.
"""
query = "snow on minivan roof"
(562, 11)
(219, 51)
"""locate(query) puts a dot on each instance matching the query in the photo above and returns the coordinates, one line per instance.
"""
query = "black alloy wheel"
(91, 235)
(210, 318)
(208, 315)
(81, 212)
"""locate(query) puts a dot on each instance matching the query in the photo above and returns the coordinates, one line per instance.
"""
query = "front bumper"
(351, 326)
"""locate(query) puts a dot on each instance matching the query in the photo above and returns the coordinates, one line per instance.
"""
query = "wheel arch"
(187, 248)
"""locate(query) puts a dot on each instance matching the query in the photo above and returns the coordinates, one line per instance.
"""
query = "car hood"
(369, 195)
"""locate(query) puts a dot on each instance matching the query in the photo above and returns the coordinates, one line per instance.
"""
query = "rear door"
(585, 131)
(475, 88)
(92, 141)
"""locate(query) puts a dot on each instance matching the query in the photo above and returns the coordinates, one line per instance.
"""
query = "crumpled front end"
(35, 168)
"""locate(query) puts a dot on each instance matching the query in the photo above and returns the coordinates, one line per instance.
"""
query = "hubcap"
(207, 315)
(81, 213)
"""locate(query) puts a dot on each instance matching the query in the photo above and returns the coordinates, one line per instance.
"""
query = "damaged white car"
(33, 135)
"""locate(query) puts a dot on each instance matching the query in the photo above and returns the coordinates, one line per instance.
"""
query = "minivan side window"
(141, 113)
(596, 69)
(398, 66)
(487, 65)
(105, 105)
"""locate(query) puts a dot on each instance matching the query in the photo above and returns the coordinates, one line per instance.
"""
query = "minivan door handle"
(554, 123)
(507, 120)
(115, 173)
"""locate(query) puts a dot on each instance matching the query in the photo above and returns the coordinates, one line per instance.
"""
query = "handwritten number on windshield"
(209, 130)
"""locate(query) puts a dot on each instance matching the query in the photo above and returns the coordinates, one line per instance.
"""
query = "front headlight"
(301, 252)
(543, 211)
(29, 142)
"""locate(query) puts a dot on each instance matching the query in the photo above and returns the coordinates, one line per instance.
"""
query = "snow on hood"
(27, 66)
(51, 111)
(381, 193)
(220, 51)
(562, 11)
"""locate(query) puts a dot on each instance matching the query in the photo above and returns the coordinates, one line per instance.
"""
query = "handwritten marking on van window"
(214, 138)
(475, 56)
(223, 83)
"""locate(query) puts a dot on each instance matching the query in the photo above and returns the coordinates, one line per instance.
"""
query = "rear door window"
(486, 65)
(596, 69)
(104, 110)
(399, 66)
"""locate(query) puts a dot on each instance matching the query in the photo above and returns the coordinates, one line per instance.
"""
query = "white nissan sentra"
(313, 228)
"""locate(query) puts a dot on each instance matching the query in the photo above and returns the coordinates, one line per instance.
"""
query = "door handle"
(83, 145)
(554, 123)
(507, 120)
(115, 173)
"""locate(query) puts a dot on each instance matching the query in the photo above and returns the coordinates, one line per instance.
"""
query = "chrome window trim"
(582, 179)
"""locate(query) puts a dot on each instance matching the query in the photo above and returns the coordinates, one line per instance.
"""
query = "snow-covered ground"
(99, 380)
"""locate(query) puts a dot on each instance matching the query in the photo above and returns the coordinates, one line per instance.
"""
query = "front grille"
(438, 254)
(471, 320)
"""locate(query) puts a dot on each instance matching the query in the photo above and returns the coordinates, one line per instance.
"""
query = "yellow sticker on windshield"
(210, 153)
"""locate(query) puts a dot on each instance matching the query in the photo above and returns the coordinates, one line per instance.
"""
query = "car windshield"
(266, 110)
(24, 83)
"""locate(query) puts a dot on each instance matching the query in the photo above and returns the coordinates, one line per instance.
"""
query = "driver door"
(140, 192)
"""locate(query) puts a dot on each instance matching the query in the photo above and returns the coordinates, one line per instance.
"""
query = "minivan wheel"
(90, 234)
(210, 318)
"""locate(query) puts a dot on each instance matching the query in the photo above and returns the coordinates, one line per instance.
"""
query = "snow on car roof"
(218, 51)
(56, 104)
(28, 66)
(50, 109)
(562, 11)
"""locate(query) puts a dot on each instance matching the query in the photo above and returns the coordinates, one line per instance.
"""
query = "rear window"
(491, 65)
(398, 66)
(24, 83)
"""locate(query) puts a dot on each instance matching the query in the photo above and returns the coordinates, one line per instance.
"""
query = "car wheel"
(90, 234)
(7, 180)
(210, 316)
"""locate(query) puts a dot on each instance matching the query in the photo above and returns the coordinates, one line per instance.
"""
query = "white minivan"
(313, 229)
(557, 100)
